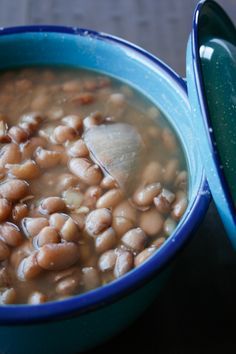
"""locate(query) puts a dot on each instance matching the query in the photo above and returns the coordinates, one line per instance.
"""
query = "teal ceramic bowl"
(84, 321)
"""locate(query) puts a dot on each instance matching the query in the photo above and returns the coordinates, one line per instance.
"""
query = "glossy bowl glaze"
(84, 321)
(212, 101)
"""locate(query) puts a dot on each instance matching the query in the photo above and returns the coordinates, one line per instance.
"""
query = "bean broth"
(67, 224)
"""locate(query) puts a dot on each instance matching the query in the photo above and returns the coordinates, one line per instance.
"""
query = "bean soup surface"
(93, 181)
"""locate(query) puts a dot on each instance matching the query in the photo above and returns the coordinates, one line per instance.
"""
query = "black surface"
(196, 311)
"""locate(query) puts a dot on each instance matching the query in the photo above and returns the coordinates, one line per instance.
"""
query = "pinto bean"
(10, 153)
(90, 278)
(97, 221)
(143, 196)
(92, 120)
(23, 84)
(47, 235)
(83, 98)
(70, 231)
(158, 242)
(169, 226)
(4, 251)
(170, 171)
(78, 149)
(108, 183)
(65, 181)
(40, 102)
(180, 205)
(117, 99)
(67, 281)
(17, 134)
(61, 150)
(107, 261)
(3, 172)
(163, 201)
(110, 199)
(8, 296)
(124, 218)
(55, 113)
(19, 211)
(5, 278)
(116, 105)
(125, 210)
(124, 263)
(46, 132)
(24, 131)
(29, 147)
(63, 133)
(6, 99)
(85, 171)
(4, 138)
(26, 170)
(91, 261)
(168, 195)
(52, 205)
(169, 140)
(36, 298)
(79, 216)
(46, 158)
(57, 220)
(152, 173)
(151, 222)
(121, 225)
(11, 234)
(67, 286)
(71, 86)
(57, 276)
(103, 82)
(135, 239)
(106, 240)
(5, 209)
(14, 189)
(30, 122)
(58, 256)
(154, 132)
(29, 268)
(144, 255)
(74, 121)
(91, 195)
(89, 85)
(34, 118)
(181, 180)
(32, 226)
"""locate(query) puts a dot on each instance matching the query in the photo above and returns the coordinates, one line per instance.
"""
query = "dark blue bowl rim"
(198, 76)
(102, 296)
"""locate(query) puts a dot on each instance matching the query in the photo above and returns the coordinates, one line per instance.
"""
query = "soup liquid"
(44, 112)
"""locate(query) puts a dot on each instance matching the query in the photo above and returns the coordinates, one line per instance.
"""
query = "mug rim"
(114, 291)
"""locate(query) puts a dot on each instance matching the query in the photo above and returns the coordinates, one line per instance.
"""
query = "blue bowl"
(84, 321)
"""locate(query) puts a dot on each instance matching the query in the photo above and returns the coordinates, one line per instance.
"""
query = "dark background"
(196, 312)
